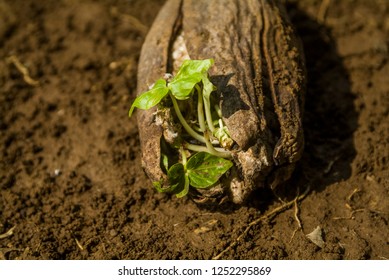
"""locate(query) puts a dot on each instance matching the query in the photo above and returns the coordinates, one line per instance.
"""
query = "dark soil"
(71, 184)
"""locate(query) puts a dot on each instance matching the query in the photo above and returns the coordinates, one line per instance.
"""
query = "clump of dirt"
(71, 185)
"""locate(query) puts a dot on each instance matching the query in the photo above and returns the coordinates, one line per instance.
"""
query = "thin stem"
(183, 156)
(218, 110)
(186, 126)
(200, 108)
(208, 115)
(221, 123)
(195, 148)
(199, 148)
(211, 149)
(196, 128)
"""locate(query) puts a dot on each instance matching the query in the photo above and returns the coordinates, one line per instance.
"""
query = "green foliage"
(203, 169)
(190, 74)
(150, 98)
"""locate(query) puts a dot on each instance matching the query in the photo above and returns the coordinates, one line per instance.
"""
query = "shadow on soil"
(330, 118)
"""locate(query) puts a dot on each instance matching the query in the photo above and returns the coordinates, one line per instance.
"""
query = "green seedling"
(209, 137)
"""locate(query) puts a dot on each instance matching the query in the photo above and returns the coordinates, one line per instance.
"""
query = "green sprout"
(209, 137)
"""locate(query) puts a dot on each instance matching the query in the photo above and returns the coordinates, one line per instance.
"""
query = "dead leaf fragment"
(316, 236)
(208, 226)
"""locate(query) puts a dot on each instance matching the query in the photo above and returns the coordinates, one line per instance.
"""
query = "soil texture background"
(71, 183)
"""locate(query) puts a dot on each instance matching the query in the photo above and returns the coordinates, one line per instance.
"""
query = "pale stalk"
(186, 126)
(199, 148)
(208, 115)
(200, 109)
(183, 156)
(211, 149)
(218, 110)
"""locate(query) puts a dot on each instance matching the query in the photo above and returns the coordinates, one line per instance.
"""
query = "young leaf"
(205, 169)
(191, 73)
(165, 162)
(176, 176)
(208, 87)
(185, 190)
(150, 98)
(183, 86)
(178, 179)
(192, 67)
(158, 186)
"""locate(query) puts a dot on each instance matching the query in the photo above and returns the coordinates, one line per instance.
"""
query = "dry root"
(265, 217)
(23, 70)
(8, 233)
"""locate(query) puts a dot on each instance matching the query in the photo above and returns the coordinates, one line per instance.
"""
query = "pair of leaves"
(202, 170)
(191, 73)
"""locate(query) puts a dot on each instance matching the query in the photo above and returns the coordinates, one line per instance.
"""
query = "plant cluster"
(205, 134)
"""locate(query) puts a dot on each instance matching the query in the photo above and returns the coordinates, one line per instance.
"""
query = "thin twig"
(356, 190)
(351, 215)
(349, 207)
(268, 216)
(8, 233)
(79, 244)
(23, 70)
(296, 217)
(296, 212)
